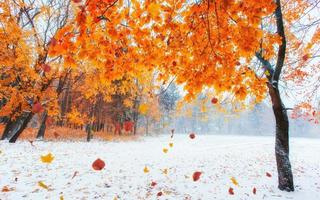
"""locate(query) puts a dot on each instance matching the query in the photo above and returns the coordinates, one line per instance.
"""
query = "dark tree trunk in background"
(14, 129)
(43, 126)
(88, 130)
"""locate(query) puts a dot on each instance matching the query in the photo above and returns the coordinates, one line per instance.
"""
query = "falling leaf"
(214, 100)
(268, 174)
(146, 170)
(171, 144)
(196, 176)
(165, 171)
(159, 194)
(98, 164)
(254, 190)
(41, 184)
(153, 183)
(192, 135)
(165, 150)
(47, 158)
(231, 191)
(234, 181)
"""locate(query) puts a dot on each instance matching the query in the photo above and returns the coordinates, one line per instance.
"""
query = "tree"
(26, 71)
(204, 44)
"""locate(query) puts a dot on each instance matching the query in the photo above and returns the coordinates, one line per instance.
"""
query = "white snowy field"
(219, 158)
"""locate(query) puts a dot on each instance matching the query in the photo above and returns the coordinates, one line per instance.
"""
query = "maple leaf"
(192, 135)
(98, 164)
(6, 189)
(268, 174)
(171, 144)
(165, 150)
(153, 183)
(165, 171)
(43, 185)
(146, 170)
(47, 158)
(254, 190)
(234, 181)
(196, 176)
(231, 192)
(214, 100)
(143, 109)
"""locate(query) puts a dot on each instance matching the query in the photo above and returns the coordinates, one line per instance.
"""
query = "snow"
(218, 157)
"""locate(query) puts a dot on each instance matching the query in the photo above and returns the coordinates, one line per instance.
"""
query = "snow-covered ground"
(219, 158)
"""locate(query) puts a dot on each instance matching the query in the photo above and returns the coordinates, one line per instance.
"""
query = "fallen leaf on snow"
(268, 174)
(171, 144)
(98, 164)
(196, 176)
(234, 181)
(254, 190)
(231, 191)
(145, 169)
(41, 184)
(165, 150)
(47, 158)
(192, 135)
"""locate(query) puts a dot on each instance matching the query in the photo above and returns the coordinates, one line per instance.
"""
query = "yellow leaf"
(146, 170)
(47, 158)
(143, 108)
(61, 198)
(267, 73)
(41, 184)
(171, 144)
(234, 181)
(165, 150)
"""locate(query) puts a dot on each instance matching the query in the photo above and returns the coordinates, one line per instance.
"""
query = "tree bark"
(43, 126)
(285, 177)
(14, 129)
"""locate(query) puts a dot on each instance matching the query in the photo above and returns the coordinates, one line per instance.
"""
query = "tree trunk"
(88, 130)
(14, 129)
(43, 126)
(285, 177)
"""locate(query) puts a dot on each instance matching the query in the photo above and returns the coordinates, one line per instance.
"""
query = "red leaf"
(214, 100)
(254, 190)
(268, 174)
(37, 107)
(305, 57)
(53, 42)
(231, 191)
(153, 183)
(159, 194)
(98, 164)
(192, 135)
(196, 176)
(76, 1)
(56, 135)
(46, 68)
